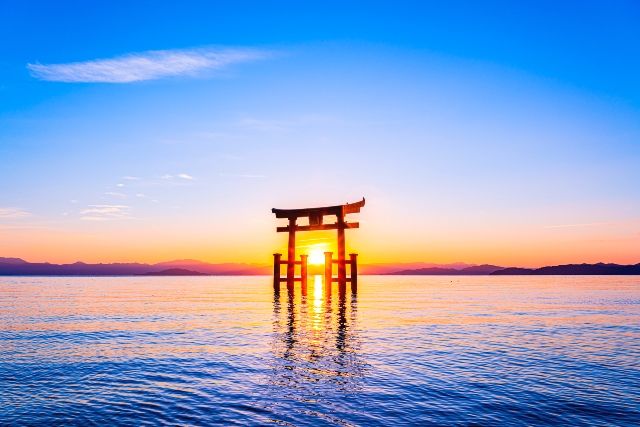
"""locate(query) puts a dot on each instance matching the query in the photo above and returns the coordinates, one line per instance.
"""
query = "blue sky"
(482, 132)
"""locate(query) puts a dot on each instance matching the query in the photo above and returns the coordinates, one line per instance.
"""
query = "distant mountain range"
(573, 269)
(494, 270)
(190, 267)
(175, 272)
(393, 268)
(20, 267)
(472, 270)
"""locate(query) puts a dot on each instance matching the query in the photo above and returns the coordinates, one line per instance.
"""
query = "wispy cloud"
(184, 176)
(105, 212)
(148, 65)
(131, 178)
(13, 213)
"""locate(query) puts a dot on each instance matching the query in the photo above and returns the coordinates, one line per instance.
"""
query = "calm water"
(406, 350)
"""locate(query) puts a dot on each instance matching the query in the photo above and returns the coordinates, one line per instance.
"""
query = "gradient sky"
(485, 132)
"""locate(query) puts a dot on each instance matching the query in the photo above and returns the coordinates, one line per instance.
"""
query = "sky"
(485, 132)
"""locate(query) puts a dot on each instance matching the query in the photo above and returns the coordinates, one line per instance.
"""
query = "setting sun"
(316, 254)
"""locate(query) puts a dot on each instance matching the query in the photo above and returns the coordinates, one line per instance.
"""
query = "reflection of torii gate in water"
(316, 222)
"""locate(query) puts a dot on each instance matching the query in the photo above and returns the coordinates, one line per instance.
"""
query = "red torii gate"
(316, 222)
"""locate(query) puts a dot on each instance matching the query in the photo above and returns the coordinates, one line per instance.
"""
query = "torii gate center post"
(316, 222)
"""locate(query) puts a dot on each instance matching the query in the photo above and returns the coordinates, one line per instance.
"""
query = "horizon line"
(266, 264)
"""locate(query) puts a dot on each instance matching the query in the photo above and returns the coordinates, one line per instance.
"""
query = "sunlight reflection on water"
(405, 350)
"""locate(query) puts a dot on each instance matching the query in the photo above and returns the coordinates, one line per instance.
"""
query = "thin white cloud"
(105, 212)
(149, 65)
(184, 176)
(14, 213)
(131, 178)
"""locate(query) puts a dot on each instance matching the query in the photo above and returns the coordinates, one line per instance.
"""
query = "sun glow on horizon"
(316, 254)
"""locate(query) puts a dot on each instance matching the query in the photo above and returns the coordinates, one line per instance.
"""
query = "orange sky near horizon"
(376, 242)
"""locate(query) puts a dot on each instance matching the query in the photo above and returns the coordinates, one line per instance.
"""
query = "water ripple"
(404, 351)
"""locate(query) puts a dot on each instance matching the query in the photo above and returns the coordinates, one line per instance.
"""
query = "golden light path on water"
(405, 350)
(317, 302)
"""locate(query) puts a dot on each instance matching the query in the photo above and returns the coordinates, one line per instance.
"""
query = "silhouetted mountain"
(432, 271)
(12, 261)
(513, 271)
(392, 268)
(482, 269)
(574, 269)
(175, 272)
(18, 267)
(75, 269)
(568, 269)
(437, 271)
(231, 269)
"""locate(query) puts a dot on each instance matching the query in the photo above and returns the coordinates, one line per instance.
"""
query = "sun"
(316, 255)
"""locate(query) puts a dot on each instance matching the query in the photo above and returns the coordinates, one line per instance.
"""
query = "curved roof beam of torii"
(338, 210)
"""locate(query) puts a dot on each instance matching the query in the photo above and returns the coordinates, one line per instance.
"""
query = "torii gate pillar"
(342, 267)
(291, 253)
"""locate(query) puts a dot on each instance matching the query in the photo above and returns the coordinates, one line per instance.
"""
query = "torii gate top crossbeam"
(316, 215)
(347, 208)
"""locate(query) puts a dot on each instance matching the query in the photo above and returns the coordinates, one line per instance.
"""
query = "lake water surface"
(405, 350)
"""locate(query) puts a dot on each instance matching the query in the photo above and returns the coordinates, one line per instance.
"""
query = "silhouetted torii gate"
(316, 223)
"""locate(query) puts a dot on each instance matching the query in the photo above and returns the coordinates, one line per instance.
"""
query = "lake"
(408, 350)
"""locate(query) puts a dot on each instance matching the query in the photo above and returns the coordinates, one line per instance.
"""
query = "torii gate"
(316, 222)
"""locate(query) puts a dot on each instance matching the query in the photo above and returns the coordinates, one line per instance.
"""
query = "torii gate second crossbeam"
(316, 222)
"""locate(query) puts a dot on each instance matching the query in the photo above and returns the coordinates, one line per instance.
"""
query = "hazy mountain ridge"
(574, 269)
(19, 267)
(175, 272)
(483, 269)
(493, 270)
(185, 267)
(390, 268)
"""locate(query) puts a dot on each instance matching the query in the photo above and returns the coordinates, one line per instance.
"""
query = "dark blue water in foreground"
(406, 350)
